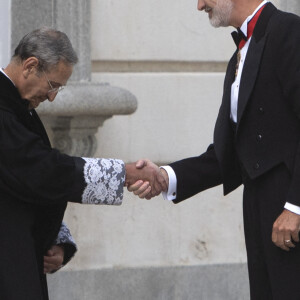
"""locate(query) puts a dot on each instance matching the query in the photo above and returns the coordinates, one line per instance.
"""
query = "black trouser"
(273, 273)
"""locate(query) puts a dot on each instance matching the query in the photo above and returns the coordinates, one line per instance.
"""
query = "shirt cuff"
(293, 208)
(172, 190)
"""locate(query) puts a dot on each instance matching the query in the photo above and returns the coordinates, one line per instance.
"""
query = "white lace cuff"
(105, 181)
(64, 236)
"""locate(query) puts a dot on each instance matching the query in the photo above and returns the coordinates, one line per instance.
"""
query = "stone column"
(74, 117)
(4, 33)
(69, 16)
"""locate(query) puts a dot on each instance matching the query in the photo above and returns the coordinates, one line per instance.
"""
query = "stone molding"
(90, 99)
(72, 120)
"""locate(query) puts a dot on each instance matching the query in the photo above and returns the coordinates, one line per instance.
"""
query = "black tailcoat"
(267, 132)
(262, 151)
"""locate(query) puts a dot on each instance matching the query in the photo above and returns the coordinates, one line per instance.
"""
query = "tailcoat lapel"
(249, 75)
(223, 120)
(253, 60)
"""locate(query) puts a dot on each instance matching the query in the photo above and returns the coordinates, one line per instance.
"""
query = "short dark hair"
(49, 46)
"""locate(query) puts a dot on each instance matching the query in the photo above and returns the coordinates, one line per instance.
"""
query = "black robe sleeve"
(32, 171)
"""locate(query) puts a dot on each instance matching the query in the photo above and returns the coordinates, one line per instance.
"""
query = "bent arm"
(33, 172)
(196, 174)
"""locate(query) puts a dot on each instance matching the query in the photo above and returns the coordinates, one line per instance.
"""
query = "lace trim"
(105, 180)
(64, 236)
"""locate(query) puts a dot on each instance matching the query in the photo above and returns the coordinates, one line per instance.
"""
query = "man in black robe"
(36, 181)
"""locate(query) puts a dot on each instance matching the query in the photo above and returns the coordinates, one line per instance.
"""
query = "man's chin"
(33, 105)
(217, 22)
(214, 23)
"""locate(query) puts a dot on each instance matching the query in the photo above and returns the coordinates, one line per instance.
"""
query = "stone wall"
(5, 22)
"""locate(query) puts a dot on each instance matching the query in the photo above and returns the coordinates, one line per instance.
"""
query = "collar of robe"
(11, 101)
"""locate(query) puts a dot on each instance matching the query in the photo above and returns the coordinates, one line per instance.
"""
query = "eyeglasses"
(52, 89)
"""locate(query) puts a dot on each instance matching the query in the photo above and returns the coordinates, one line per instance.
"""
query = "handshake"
(145, 179)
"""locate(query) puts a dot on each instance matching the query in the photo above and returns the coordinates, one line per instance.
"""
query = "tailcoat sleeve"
(33, 172)
(287, 43)
(196, 174)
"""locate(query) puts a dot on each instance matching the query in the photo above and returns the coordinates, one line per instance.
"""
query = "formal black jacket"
(267, 131)
(35, 184)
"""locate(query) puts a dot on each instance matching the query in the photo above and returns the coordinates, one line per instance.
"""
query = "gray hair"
(49, 46)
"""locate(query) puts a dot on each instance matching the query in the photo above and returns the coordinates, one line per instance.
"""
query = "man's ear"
(29, 65)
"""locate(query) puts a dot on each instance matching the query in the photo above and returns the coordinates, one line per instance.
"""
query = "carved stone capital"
(73, 135)
(73, 119)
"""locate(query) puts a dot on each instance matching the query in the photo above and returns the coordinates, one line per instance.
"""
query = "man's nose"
(52, 96)
(201, 5)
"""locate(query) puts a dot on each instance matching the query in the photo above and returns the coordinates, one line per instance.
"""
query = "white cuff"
(172, 190)
(293, 208)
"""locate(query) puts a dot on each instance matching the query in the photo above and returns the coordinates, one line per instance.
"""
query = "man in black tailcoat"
(256, 142)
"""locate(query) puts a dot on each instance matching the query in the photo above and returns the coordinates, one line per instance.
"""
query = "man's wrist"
(129, 167)
(166, 176)
(171, 193)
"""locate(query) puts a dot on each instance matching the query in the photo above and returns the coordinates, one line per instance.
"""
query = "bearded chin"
(221, 14)
(215, 22)
(219, 20)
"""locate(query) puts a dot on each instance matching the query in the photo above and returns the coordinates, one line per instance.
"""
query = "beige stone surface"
(155, 30)
(4, 33)
(175, 116)
(205, 229)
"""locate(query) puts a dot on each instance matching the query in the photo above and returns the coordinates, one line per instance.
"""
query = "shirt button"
(261, 110)
(256, 166)
(259, 137)
(174, 194)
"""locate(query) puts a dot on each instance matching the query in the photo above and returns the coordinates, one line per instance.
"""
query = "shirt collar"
(2, 71)
(244, 27)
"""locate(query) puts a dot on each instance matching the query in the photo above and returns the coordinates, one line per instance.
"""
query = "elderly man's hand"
(286, 230)
(54, 259)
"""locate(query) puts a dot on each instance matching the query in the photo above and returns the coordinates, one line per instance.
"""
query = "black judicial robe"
(36, 182)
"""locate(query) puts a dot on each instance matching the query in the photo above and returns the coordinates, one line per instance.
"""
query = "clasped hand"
(145, 179)
(53, 259)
